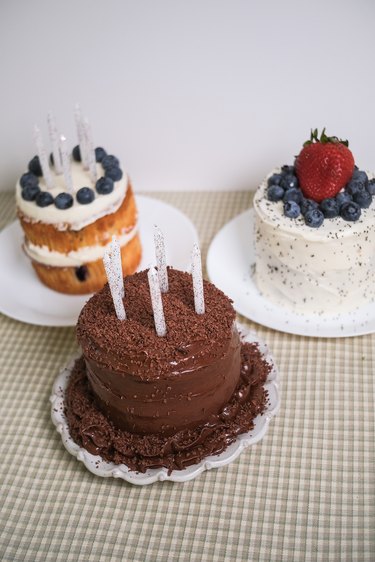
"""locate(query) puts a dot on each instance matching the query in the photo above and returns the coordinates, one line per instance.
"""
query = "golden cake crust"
(67, 279)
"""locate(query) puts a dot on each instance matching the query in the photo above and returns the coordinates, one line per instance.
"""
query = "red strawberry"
(323, 166)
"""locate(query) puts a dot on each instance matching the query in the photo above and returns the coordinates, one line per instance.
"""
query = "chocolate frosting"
(147, 384)
(92, 429)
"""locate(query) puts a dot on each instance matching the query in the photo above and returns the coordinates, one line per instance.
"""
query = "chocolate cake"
(148, 401)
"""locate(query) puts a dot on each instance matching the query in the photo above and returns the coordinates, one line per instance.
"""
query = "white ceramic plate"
(99, 467)
(230, 261)
(23, 297)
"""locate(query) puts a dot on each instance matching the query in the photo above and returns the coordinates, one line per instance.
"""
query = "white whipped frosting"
(78, 216)
(320, 270)
(75, 258)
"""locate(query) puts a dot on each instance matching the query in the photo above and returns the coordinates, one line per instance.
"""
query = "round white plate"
(23, 297)
(230, 264)
(99, 467)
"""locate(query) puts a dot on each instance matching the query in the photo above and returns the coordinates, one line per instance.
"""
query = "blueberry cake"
(315, 231)
(66, 232)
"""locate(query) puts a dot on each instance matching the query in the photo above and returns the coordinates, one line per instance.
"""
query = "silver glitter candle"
(90, 150)
(161, 259)
(115, 251)
(43, 158)
(196, 271)
(66, 165)
(81, 135)
(157, 303)
(55, 143)
(114, 287)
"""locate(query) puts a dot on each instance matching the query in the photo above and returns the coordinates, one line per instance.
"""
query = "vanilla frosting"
(78, 216)
(313, 270)
(74, 258)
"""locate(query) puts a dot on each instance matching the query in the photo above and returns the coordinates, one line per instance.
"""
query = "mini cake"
(315, 231)
(149, 401)
(68, 227)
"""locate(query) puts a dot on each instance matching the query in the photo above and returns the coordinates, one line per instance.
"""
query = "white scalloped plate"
(99, 467)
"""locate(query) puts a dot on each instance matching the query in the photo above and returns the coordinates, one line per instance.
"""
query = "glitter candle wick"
(156, 302)
(161, 259)
(196, 271)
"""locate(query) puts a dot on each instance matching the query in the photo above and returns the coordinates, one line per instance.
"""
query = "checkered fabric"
(304, 493)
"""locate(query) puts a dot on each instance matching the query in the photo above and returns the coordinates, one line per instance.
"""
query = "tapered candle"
(43, 159)
(66, 165)
(90, 151)
(55, 143)
(161, 259)
(81, 135)
(115, 251)
(157, 303)
(114, 286)
(196, 271)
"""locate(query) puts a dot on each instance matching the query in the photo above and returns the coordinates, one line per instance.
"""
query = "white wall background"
(200, 94)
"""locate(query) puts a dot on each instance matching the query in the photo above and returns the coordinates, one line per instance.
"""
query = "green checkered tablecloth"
(305, 492)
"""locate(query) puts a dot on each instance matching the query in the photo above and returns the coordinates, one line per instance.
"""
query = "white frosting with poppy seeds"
(330, 269)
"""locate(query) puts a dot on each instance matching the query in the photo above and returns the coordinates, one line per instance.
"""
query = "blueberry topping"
(28, 179)
(275, 193)
(76, 153)
(104, 186)
(361, 176)
(291, 209)
(371, 186)
(350, 211)
(275, 179)
(82, 273)
(354, 186)
(343, 197)
(35, 167)
(100, 153)
(113, 173)
(329, 208)
(308, 205)
(293, 194)
(85, 195)
(30, 192)
(43, 199)
(109, 161)
(63, 201)
(363, 198)
(314, 218)
(286, 169)
(288, 181)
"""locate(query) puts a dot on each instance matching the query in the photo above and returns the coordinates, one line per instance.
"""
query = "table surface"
(305, 492)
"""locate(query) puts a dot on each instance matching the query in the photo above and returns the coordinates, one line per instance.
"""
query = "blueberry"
(343, 197)
(314, 218)
(361, 176)
(355, 185)
(363, 198)
(274, 179)
(43, 199)
(35, 167)
(350, 211)
(51, 159)
(82, 273)
(114, 173)
(104, 186)
(329, 207)
(288, 181)
(109, 161)
(291, 209)
(28, 179)
(293, 194)
(100, 153)
(85, 195)
(308, 205)
(371, 186)
(64, 201)
(275, 193)
(30, 192)
(76, 153)
(287, 169)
